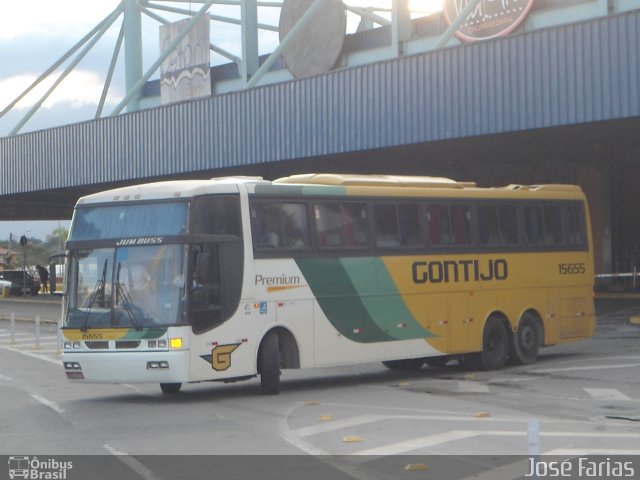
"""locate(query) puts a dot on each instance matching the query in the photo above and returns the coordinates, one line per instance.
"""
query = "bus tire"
(525, 342)
(495, 347)
(170, 388)
(405, 365)
(438, 362)
(269, 363)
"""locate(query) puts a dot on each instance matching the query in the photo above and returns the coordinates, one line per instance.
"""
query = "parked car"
(21, 282)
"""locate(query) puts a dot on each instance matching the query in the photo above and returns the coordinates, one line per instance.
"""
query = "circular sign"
(316, 48)
(489, 19)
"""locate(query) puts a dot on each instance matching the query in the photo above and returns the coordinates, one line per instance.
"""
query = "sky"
(34, 34)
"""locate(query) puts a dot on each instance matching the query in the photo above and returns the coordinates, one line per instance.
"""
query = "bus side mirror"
(57, 274)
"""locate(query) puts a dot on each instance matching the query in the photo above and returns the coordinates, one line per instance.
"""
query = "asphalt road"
(585, 397)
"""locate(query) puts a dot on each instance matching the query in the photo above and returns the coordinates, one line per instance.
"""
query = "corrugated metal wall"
(577, 73)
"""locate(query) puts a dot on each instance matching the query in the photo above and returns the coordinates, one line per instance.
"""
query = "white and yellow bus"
(229, 278)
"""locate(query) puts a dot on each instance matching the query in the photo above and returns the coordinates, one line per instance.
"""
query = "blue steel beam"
(249, 34)
(132, 50)
(112, 67)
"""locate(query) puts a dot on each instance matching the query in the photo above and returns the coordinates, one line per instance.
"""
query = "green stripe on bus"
(339, 300)
(381, 298)
(299, 190)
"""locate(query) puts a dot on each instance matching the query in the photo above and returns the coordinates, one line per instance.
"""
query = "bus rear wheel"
(170, 387)
(495, 347)
(269, 364)
(525, 344)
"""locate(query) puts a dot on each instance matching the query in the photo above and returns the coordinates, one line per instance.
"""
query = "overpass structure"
(553, 99)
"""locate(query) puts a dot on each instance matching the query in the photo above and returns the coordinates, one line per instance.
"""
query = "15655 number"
(571, 268)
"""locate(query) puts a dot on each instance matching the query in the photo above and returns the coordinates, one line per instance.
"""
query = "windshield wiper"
(127, 305)
(98, 291)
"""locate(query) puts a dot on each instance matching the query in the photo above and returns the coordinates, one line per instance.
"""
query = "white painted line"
(4, 378)
(33, 355)
(440, 438)
(606, 394)
(47, 403)
(591, 367)
(131, 462)
(364, 419)
(418, 443)
(334, 425)
(469, 386)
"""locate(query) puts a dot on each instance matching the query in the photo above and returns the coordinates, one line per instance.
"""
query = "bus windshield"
(135, 287)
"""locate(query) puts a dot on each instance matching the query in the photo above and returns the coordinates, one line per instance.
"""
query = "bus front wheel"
(495, 347)
(269, 364)
(170, 387)
(525, 344)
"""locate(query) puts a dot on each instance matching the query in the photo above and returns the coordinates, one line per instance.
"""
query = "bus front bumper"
(127, 367)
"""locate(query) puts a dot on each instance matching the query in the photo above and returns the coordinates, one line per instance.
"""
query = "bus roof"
(373, 180)
(328, 183)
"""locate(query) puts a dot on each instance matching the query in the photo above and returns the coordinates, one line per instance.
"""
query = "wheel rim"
(528, 338)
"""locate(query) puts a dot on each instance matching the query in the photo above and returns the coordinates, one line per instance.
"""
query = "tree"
(55, 241)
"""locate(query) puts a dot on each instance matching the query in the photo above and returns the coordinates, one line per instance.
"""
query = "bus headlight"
(155, 365)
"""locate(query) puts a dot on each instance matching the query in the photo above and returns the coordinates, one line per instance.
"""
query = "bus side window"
(328, 225)
(385, 218)
(461, 222)
(341, 225)
(574, 225)
(438, 220)
(265, 226)
(488, 228)
(552, 225)
(508, 218)
(277, 225)
(533, 226)
(410, 225)
(355, 232)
